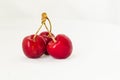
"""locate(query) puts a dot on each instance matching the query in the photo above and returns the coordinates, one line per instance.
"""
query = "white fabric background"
(95, 10)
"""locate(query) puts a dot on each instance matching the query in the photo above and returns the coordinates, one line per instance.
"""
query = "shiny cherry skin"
(60, 49)
(46, 37)
(33, 48)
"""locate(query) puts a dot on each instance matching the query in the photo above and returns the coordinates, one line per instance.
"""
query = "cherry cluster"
(34, 46)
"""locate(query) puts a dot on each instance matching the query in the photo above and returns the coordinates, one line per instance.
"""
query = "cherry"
(46, 37)
(33, 47)
(61, 47)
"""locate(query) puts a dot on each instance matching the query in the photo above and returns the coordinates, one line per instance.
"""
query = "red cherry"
(47, 38)
(33, 48)
(60, 49)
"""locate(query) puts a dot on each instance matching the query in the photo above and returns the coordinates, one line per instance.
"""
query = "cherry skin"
(33, 48)
(60, 49)
(47, 38)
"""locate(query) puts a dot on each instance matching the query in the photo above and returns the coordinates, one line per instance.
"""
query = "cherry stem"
(37, 32)
(44, 18)
(50, 24)
(53, 38)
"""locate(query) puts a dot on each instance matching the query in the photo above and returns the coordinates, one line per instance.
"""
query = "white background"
(92, 25)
